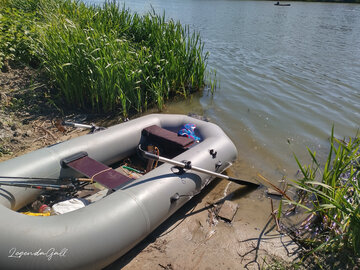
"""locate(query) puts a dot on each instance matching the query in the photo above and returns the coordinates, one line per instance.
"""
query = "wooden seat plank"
(99, 172)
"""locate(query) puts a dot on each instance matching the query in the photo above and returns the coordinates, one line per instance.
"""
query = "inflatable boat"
(96, 235)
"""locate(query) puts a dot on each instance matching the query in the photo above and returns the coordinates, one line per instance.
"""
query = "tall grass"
(333, 197)
(105, 58)
(17, 32)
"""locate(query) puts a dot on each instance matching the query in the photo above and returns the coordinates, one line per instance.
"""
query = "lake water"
(286, 74)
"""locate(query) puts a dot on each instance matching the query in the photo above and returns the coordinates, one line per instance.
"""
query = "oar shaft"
(194, 168)
(190, 167)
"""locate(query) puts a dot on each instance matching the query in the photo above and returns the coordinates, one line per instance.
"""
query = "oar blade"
(243, 182)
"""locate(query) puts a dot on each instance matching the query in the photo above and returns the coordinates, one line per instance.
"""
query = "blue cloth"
(188, 130)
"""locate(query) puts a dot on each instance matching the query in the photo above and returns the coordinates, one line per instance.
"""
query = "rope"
(158, 154)
(96, 174)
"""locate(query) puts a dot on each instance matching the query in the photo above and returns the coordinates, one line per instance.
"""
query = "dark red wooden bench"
(169, 141)
(95, 170)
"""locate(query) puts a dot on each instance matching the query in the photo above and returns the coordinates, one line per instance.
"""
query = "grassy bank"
(103, 58)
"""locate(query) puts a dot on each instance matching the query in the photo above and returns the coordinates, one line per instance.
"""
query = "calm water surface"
(286, 75)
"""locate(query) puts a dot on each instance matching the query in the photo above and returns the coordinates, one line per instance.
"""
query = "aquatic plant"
(330, 193)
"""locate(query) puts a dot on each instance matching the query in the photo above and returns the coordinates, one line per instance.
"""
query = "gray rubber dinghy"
(97, 234)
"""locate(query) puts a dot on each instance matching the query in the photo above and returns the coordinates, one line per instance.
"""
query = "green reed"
(333, 197)
(105, 58)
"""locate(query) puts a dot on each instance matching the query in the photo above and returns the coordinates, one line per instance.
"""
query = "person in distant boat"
(277, 3)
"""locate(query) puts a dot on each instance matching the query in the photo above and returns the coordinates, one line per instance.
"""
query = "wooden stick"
(274, 187)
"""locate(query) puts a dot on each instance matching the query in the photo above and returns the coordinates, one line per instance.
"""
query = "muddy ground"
(29, 119)
(195, 237)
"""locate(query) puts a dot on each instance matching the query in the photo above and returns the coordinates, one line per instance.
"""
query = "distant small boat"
(282, 5)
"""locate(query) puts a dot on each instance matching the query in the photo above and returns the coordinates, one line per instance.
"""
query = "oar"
(187, 165)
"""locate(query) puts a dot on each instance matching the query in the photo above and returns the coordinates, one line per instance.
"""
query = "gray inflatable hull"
(96, 235)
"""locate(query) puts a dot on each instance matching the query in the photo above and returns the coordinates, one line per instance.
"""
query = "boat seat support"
(95, 170)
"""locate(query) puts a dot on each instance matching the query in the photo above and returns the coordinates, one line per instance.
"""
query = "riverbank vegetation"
(329, 238)
(102, 59)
